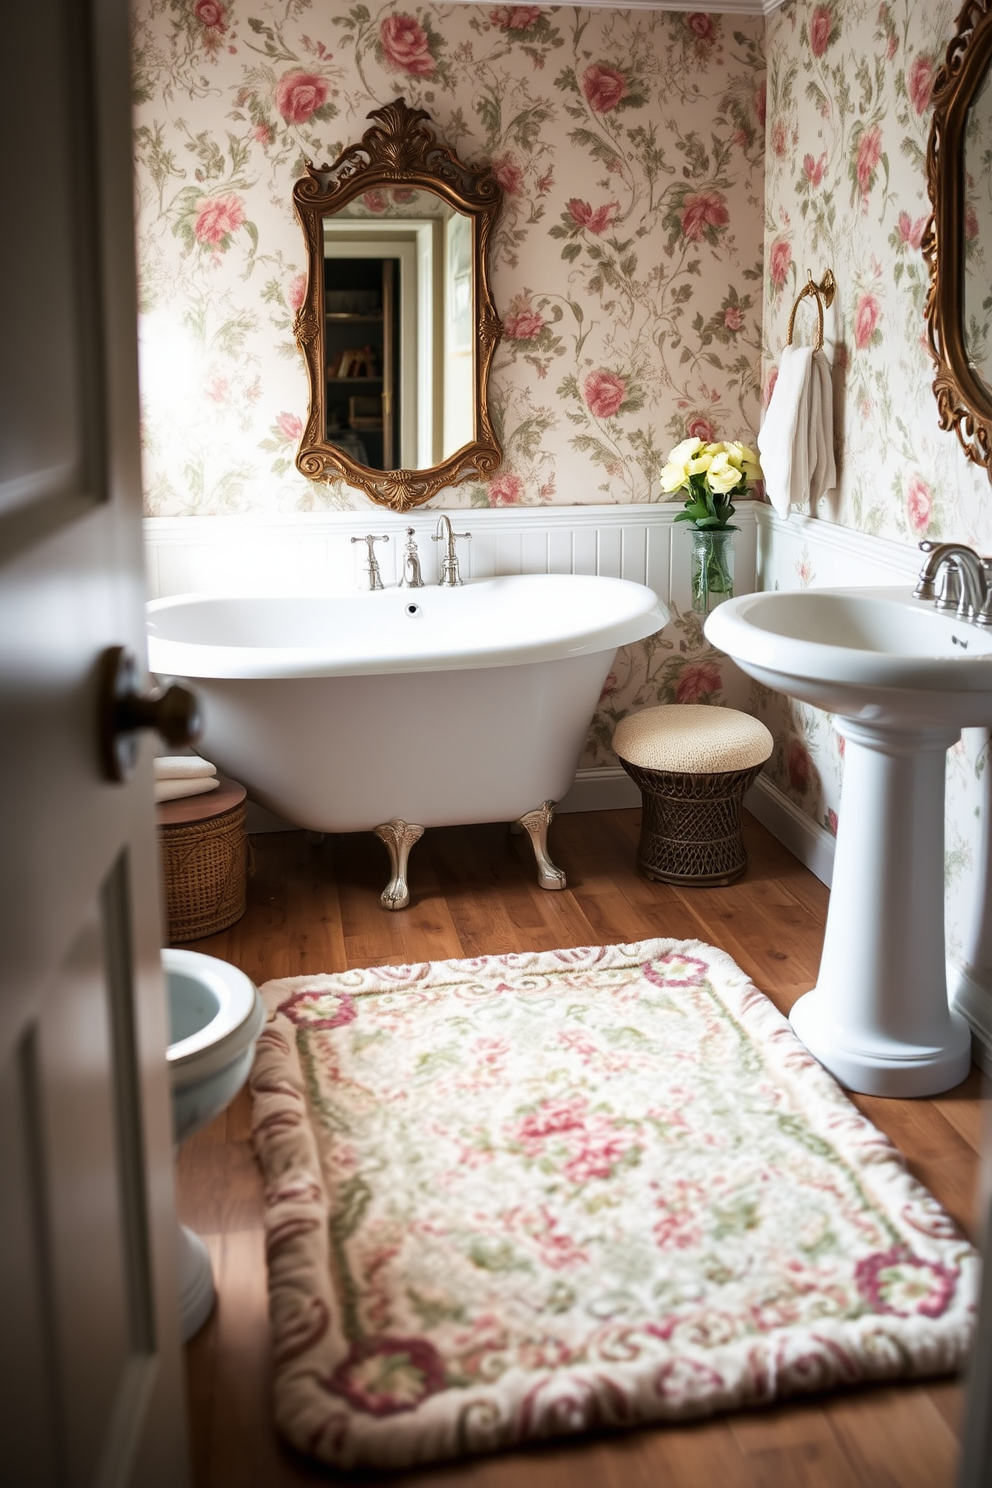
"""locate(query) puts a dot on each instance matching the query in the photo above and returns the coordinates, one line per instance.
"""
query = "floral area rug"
(528, 1195)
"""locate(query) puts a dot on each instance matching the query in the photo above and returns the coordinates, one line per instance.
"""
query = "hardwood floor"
(474, 892)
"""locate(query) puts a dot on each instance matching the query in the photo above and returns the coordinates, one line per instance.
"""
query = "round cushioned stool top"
(693, 738)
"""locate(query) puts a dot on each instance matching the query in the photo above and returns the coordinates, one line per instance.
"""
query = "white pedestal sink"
(903, 680)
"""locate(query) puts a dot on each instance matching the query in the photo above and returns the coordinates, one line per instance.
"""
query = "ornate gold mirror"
(958, 241)
(398, 326)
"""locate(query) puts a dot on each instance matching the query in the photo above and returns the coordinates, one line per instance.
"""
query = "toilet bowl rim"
(239, 1009)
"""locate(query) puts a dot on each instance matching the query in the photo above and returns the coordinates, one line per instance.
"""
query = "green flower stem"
(712, 567)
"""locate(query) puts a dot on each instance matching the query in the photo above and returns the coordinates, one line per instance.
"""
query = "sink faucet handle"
(373, 577)
(984, 616)
(925, 588)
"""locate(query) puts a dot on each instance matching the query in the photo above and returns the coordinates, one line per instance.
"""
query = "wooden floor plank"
(895, 1437)
(474, 892)
(218, 1184)
(948, 1397)
(968, 1108)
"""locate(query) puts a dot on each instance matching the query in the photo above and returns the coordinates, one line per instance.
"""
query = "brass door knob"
(125, 710)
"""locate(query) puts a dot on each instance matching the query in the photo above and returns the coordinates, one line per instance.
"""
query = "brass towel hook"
(823, 293)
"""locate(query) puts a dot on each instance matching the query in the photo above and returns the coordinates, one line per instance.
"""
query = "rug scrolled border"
(876, 1282)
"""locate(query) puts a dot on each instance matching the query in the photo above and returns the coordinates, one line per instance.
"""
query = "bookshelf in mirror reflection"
(361, 342)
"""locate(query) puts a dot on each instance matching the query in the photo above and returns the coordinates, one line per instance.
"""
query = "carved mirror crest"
(958, 242)
(398, 326)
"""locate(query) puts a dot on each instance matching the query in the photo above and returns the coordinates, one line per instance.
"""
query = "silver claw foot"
(398, 836)
(536, 824)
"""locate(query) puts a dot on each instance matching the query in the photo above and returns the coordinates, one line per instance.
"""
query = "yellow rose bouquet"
(710, 474)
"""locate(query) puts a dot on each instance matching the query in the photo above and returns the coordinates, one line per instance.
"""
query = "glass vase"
(712, 568)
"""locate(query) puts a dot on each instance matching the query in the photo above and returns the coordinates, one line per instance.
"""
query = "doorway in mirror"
(361, 340)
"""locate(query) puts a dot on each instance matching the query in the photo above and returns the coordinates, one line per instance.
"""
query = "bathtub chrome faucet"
(373, 578)
(411, 577)
(448, 577)
(958, 579)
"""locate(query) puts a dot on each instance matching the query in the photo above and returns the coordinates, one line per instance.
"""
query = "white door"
(90, 1364)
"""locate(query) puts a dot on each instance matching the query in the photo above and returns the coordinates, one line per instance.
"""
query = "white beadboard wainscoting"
(312, 553)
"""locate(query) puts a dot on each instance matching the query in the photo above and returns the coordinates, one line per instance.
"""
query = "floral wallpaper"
(627, 265)
(849, 106)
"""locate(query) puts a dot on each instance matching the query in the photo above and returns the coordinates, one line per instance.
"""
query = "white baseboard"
(973, 999)
(812, 844)
(259, 819)
(608, 788)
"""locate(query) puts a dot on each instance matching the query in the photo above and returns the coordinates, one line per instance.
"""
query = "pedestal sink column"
(878, 1017)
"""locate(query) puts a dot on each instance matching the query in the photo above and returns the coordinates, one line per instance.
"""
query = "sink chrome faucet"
(964, 581)
(449, 577)
(411, 577)
(373, 578)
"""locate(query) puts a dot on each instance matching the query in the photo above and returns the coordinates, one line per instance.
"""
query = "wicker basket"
(691, 824)
(204, 870)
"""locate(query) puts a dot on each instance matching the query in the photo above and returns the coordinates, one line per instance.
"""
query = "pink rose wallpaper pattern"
(849, 101)
(627, 265)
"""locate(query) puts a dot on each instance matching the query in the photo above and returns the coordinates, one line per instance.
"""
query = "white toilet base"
(196, 1283)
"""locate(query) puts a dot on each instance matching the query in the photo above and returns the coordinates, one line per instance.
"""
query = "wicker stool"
(693, 764)
(204, 861)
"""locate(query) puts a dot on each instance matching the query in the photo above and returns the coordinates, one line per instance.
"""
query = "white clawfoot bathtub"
(405, 708)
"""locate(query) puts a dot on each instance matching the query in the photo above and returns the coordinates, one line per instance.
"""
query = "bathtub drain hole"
(413, 609)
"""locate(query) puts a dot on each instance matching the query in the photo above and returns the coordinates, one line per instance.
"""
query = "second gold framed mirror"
(398, 327)
(958, 242)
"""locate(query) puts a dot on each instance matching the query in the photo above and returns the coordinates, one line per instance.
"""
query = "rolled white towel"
(173, 790)
(182, 767)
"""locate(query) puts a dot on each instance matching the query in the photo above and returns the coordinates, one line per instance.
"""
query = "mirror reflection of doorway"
(362, 341)
(404, 334)
(399, 323)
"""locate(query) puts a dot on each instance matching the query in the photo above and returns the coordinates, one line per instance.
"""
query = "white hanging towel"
(823, 468)
(172, 790)
(182, 767)
(783, 439)
(796, 439)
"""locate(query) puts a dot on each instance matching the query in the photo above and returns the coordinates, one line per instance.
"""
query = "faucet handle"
(924, 585)
(984, 616)
(372, 574)
(371, 538)
(443, 536)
